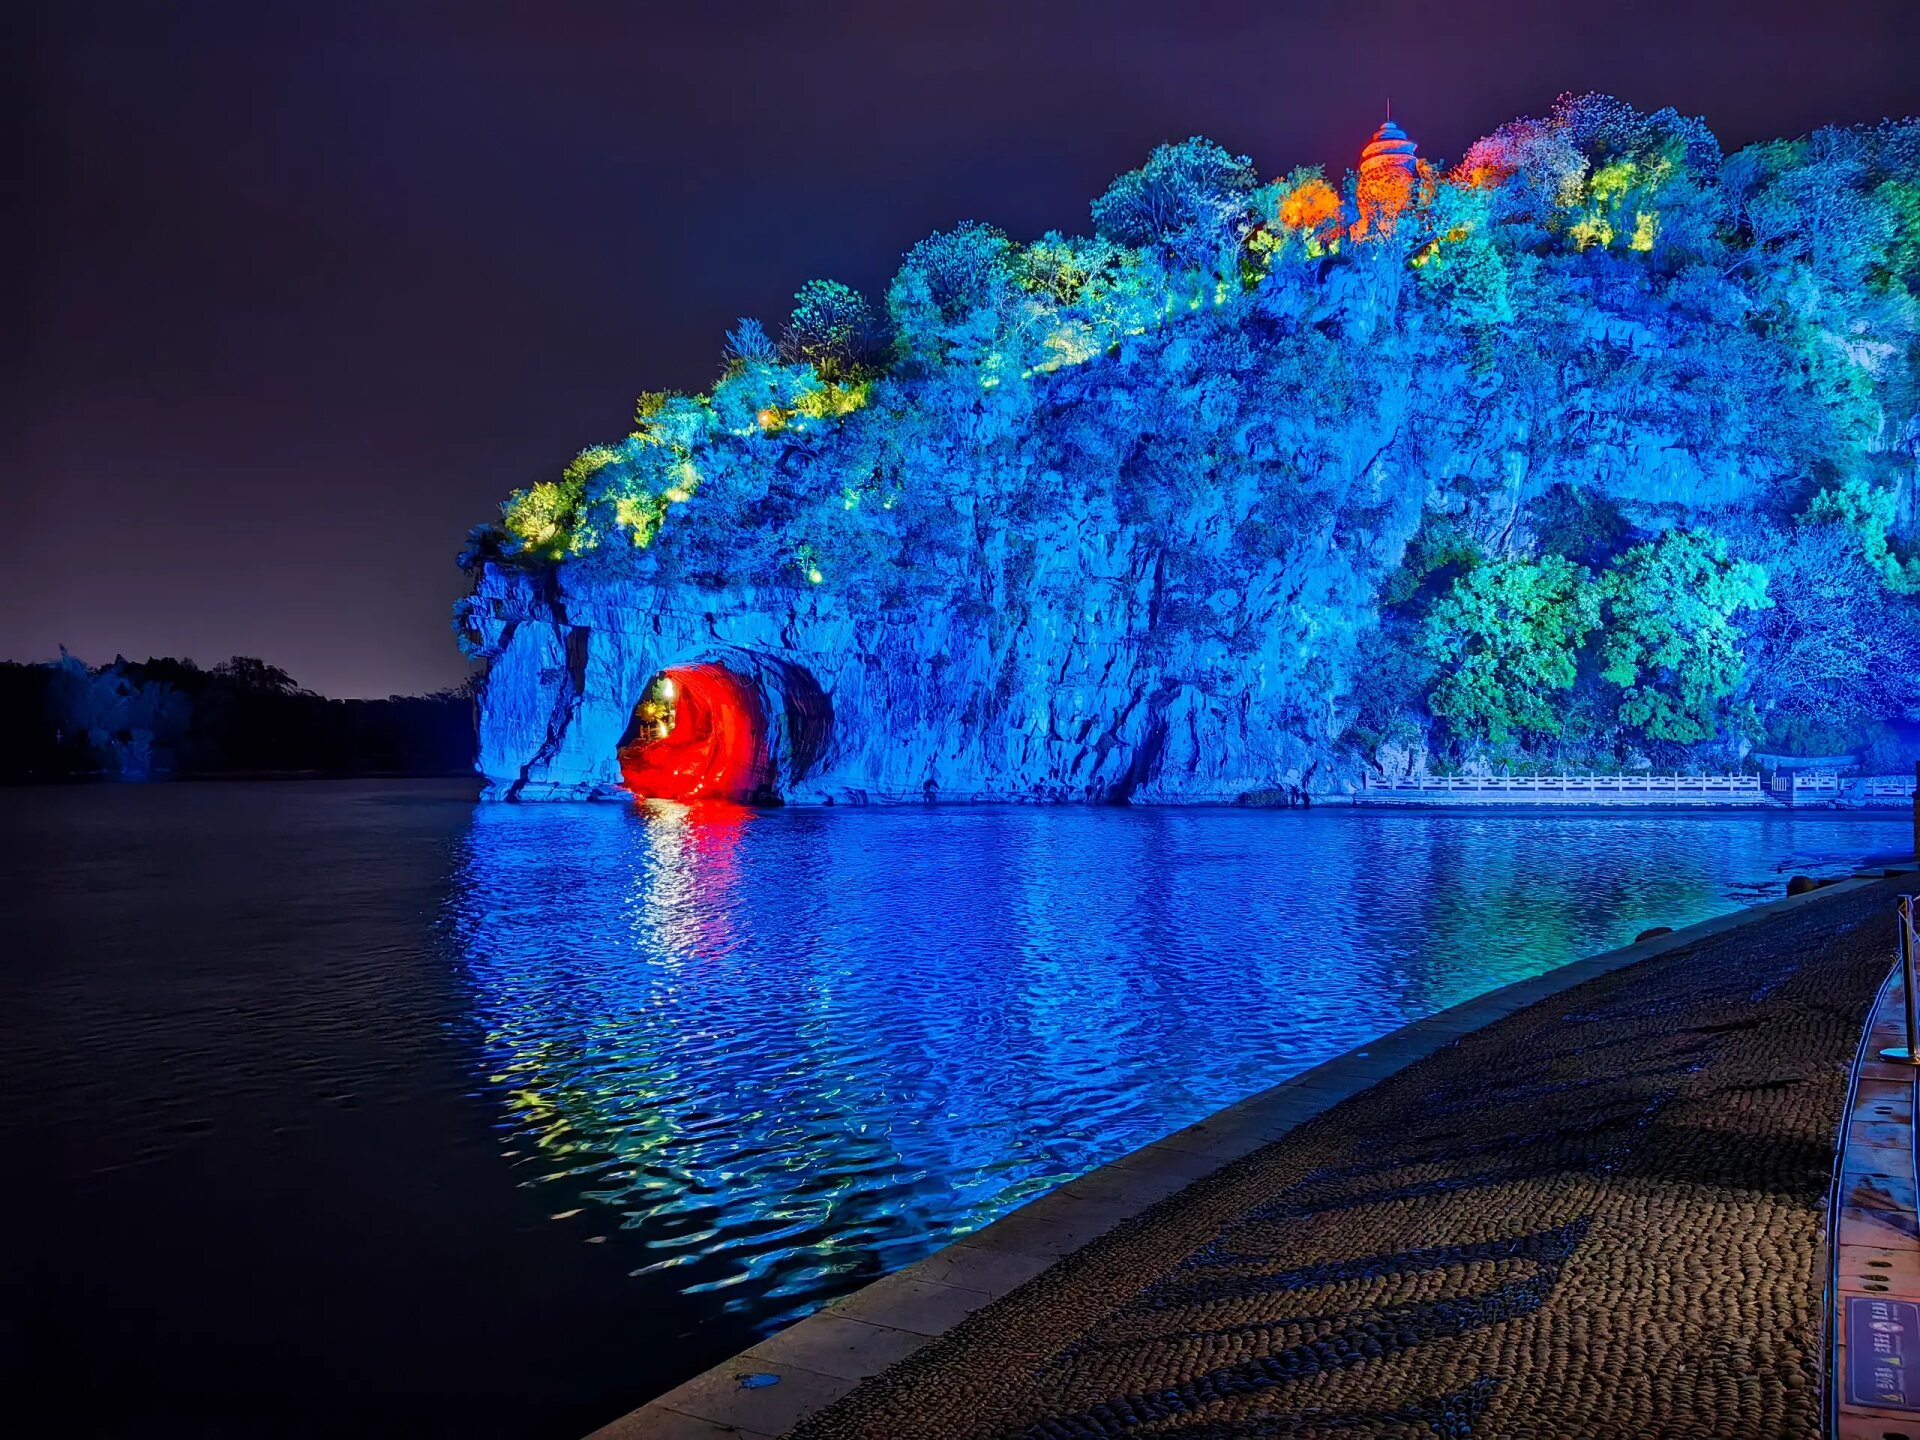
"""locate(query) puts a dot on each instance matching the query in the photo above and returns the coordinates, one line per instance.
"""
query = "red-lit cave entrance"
(698, 733)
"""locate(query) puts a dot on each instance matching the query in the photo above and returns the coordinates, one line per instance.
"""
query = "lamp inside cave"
(698, 733)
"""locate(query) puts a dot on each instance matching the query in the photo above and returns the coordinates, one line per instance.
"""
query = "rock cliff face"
(1070, 647)
(1069, 640)
(865, 707)
(1221, 504)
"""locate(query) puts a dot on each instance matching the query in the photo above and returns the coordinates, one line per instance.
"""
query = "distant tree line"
(158, 717)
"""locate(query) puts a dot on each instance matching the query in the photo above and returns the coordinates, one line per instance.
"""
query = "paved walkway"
(1598, 1217)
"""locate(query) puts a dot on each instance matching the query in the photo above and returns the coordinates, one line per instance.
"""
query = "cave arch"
(698, 733)
(733, 729)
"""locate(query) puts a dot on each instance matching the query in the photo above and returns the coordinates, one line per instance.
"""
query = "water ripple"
(785, 1051)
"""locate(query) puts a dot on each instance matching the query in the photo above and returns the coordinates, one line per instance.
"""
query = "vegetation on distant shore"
(141, 719)
(1597, 448)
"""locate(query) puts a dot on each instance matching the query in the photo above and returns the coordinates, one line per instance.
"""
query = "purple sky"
(307, 289)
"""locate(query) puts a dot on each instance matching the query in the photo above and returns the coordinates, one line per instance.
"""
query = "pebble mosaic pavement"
(1599, 1217)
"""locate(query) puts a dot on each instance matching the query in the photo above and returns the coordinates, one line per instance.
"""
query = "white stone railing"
(1786, 787)
(1810, 782)
(1586, 784)
(1884, 787)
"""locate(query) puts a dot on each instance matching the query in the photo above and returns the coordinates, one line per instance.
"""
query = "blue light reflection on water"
(778, 1053)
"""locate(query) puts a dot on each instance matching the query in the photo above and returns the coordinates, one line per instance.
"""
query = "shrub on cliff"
(945, 280)
(832, 328)
(1192, 199)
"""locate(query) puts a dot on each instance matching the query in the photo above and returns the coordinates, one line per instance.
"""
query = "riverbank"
(1594, 1199)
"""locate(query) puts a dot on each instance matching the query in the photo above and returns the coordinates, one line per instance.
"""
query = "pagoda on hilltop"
(1389, 175)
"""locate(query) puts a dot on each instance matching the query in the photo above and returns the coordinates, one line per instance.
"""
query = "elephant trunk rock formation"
(851, 706)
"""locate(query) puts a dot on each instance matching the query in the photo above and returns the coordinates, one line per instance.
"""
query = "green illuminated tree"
(1507, 637)
(946, 280)
(1466, 270)
(1067, 270)
(832, 329)
(1671, 643)
(1866, 512)
(1192, 198)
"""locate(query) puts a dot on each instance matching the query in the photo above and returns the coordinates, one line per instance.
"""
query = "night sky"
(304, 290)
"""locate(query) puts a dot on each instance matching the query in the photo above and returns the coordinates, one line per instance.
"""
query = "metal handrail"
(1908, 1054)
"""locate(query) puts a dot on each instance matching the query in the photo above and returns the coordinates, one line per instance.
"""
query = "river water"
(361, 1108)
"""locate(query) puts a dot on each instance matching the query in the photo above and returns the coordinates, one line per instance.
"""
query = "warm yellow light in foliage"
(589, 462)
(686, 480)
(1382, 195)
(639, 516)
(538, 514)
(833, 400)
(1591, 230)
(1610, 182)
(1072, 343)
(1607, 191)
